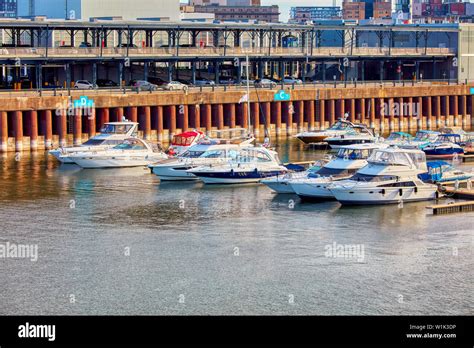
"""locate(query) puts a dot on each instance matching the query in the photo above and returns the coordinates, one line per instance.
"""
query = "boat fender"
(416, 189)
(383, 192)
(400, 192)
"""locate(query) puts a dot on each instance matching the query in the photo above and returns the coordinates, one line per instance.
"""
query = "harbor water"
(117, 242)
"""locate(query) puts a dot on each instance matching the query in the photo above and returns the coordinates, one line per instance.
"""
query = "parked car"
(175, 86)
(125, 45)
(84, 84)
(142, 85)
(85, 45)
(227, 81)
(204, 82)
(292, 81)
(265, 83)
(106, 83)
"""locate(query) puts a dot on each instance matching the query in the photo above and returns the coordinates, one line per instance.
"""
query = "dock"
(462, 193)
(452, 208)
(468, 158)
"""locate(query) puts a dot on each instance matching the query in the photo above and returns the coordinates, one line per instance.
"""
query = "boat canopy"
(186, 138)
(437, 164)
(400, 135)
(397, 157)
(451, 137)
(117, 128)
(354, 154)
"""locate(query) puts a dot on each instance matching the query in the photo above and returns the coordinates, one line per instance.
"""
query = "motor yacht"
(445, 146)
(360, 134)
(206, 153)
(391, 176)
(348, 161)
(249, 165)
(341, 127)
(132, 152)
(111, 134)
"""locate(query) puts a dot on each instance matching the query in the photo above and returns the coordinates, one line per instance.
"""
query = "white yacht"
(360, 134)
(249, 165)
(348, 161)
(206, 153)
(392, 176)
(341, 127)
(111, 134)
(132, 152)
(281, 184)
(182, 142)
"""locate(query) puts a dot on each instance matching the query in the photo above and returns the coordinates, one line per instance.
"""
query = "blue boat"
(446, 146)
(442, 172)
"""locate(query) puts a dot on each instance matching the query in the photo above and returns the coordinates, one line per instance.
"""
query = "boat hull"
(312, 191)
(312, 139)
(171, 174)
(97, 163)
(60, 157)
(235, 177)
(337, 144)
(374, 196)
(279, 186)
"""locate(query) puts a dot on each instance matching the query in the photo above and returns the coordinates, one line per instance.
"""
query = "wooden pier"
(462, 193)
(452, 208)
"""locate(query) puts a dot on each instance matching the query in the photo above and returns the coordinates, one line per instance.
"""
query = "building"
(242, 13)
(353, 10)
(8, 8)
(225, 2)
(314, 13)
(382, 9)
(86, 9)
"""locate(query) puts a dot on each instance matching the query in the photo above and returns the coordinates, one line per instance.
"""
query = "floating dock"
(452, 208)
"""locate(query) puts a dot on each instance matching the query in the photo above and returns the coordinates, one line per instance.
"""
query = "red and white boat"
(182, 142)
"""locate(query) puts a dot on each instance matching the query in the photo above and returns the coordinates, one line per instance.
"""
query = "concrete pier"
(36, 123)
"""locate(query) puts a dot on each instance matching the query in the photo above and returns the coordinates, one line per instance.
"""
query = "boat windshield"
(354, 154)
(373, 178)
(131, 145)
(192, 154)
(335, 172)
(398, 136)
(339, 126)
(93, 142)
(448, 138)
(218, 154)
(115, 129)
(391, 158)
(423, 136)
(251, 155)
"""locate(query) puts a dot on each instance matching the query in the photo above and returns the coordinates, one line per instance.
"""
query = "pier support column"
(342, 108)
(48, 129)
(77, 127)
(207, 115)
(429, 113)
(62, 127)
(266, 106)
(183, 118)
(145, 121)
(18, 130)
(92, 123)
(229, 115)
(309, 110)
(391, 111)
(419, 123)
(244, 118)
(438, 111)
(276, 112)
(446, 110)
(219, 116)
(362, 111)
(299, 109)
(352, 109)
(383, 108)
(401, 114)
(288, 116)
(332, 112)
(372, 107)
(3, 131)
(322, 114)
(157, 117)
(118, 114)
(411, 115)
(456, 110)
(33, 116)
(195, 116)
(255, 115)
(132, 113)
(464, 111)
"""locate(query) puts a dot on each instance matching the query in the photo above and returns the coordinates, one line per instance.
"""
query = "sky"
(285, 5)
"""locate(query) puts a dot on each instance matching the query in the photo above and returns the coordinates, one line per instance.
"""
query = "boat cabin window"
(392, 158)
(335, 172)
(131, 145)
(112, 142)
(354, 154)
(192, 154)
(214, 154)
(253, 156)
(94, 142)
(399, 184)
(424, 136)
(449, 138)
(398, 136)
(373, 178)
(115, 129)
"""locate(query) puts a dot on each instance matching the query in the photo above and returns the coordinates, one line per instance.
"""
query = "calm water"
(118, 242)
